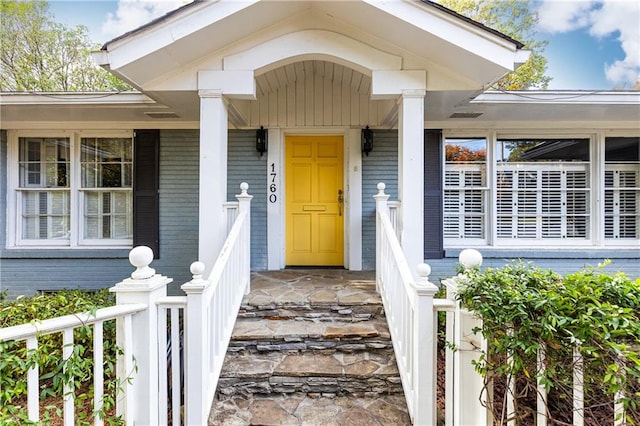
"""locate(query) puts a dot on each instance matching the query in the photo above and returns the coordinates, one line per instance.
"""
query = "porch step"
(358, 374)
(252, 335)
(310, 347)
(306, 295)
(311, 411)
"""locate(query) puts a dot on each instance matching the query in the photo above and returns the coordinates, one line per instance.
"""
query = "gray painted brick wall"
(25, 271)
(380, 166)
(179, 177)
(246, 165)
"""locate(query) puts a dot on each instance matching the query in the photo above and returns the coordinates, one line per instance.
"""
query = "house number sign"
(272, 186)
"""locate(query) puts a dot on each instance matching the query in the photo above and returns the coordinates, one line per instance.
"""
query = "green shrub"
(524, 308)
(55, 373)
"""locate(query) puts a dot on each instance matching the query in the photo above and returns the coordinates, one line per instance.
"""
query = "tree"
(518, 20)
(460, 154)
(38, 54)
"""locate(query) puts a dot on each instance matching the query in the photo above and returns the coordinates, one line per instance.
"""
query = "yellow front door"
(314, 201)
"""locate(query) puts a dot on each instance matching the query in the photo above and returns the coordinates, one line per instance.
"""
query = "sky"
(592, 44)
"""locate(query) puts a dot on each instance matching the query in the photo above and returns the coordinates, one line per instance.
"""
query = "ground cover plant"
(525, 308)
(77, 371)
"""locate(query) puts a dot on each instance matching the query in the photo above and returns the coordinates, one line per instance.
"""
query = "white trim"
(577, 97)
(275, 210)
(312, 44)
(130, 99)
(353, 201)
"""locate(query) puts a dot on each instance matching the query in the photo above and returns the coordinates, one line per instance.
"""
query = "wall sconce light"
(367, 140)
(262, 140)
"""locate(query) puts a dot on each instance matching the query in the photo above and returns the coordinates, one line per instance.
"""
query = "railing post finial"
(423, 270)
(141, 257)
(381, 187)
(470, 258)
(197, 269)
(244, 186)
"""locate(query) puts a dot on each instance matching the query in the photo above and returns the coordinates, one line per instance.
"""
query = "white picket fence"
(173, 346)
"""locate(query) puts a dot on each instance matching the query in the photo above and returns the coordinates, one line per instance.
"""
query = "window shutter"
(146, 221)
(535, 201)
(621, 201)
(433, 248)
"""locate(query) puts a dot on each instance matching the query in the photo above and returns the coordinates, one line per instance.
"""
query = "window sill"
(555, 253)
(65, 253)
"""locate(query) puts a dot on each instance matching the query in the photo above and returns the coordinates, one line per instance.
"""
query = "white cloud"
(601, 18)
(622, 19)
(132, 14)
(559, 16)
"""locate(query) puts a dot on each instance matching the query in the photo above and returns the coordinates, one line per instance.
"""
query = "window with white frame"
(505, 191)
(542, 189)
(72, 190)
(465, 188)
(622, 189)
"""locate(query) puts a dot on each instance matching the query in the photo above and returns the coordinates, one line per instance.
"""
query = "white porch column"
(410, 174)
(213, 176)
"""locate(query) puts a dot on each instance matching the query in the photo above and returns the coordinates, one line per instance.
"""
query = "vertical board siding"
(314, 100)
(380, 166)
(179, 201)
(246, 165)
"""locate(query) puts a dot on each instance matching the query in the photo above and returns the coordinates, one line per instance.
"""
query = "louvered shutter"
(542, 201)
(433, 242)
(146, 221)
(621, 201)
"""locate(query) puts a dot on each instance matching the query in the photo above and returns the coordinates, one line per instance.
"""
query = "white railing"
(171, 358)
(212, 308)
(66, 325)
(409, 310)
(182, 358)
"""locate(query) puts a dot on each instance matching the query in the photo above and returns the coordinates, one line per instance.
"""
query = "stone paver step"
(315, 410)
(358, 374)
(299, 335)
(346, 296)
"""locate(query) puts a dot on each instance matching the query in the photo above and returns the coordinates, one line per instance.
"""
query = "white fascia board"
(148, 40)
(97, 125)
(541, 127)
(559, 97)
(455, 31)
(76, 98)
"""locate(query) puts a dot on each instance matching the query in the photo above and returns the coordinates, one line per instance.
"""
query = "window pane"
(543, 189)
(622, 188)
(538, 150)
(43, 162)
(45, 215)
(465, 188)
(107, 162)
(108, 215)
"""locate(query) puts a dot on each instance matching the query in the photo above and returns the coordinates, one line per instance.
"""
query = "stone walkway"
(320, 354)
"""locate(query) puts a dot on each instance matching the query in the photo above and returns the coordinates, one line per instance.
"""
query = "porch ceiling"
(281, 77)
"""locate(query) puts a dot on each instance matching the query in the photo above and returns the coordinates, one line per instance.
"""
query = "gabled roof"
(429, 2)
(458, 53)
